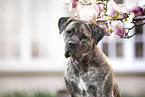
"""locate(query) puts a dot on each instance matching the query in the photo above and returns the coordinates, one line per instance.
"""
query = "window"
(112, 48)
(119, 50)
(139, 43)
(139, 50)
(29, 36)
(126, 54)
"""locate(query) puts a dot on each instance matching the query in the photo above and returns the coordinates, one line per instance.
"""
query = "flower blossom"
(89, 12)
(95, 11)
(70, 4)
(121, 8)
(133, 6)
(117, 27)
(111, 8)
(87, 1)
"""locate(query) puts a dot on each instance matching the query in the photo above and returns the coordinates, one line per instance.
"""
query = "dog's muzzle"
(70, 48)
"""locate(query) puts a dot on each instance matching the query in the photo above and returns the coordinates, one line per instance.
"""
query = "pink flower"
(74, 3)
(89, 12)
(111, 8)
(70, 4)
(137, 11)
(117, 27)
(134, 7)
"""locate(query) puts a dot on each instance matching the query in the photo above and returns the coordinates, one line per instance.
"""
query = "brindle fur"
(87, 62)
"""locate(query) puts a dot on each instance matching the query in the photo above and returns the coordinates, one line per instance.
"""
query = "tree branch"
(135, 26)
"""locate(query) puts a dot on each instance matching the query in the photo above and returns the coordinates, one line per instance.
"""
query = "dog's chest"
(82, 84)
(85, 83)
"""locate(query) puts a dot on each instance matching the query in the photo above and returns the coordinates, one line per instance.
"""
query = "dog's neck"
(83, 62)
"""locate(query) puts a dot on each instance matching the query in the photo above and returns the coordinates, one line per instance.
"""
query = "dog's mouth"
(70, 50)
(67, 54)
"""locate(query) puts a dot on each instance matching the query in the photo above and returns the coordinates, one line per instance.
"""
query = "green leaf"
(94, 20)
(113, 17)
(117, 14)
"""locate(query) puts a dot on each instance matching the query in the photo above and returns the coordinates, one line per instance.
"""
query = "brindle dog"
(88, 73)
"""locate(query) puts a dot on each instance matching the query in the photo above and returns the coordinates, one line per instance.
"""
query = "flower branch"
(135, 26)
(110, 15)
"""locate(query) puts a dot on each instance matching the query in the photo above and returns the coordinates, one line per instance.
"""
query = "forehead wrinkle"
(87, 29)
(79, 25)
(69, 26)
(74, 24)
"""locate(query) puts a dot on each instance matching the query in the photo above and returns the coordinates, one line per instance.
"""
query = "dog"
(88, 72)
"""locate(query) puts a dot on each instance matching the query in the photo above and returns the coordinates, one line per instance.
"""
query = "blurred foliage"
(26, 94)
(124, 94)
(48, 94)
(141, 94)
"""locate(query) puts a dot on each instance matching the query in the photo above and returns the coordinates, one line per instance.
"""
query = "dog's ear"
(63, 22)
(97, 32)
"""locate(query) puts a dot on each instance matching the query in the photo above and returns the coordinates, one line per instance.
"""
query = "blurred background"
(32, 51)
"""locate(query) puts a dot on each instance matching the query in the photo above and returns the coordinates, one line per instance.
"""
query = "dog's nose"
(71, 43)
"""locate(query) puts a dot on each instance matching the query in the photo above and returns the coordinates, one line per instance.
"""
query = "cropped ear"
(97, 33)
(63, 22)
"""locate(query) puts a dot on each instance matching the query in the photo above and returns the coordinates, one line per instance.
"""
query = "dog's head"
(80, 36)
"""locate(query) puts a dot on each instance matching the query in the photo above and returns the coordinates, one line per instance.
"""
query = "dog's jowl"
(88, 72)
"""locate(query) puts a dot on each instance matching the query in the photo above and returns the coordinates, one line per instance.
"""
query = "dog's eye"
(84, 37)
(70, 32)
(74, 29)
